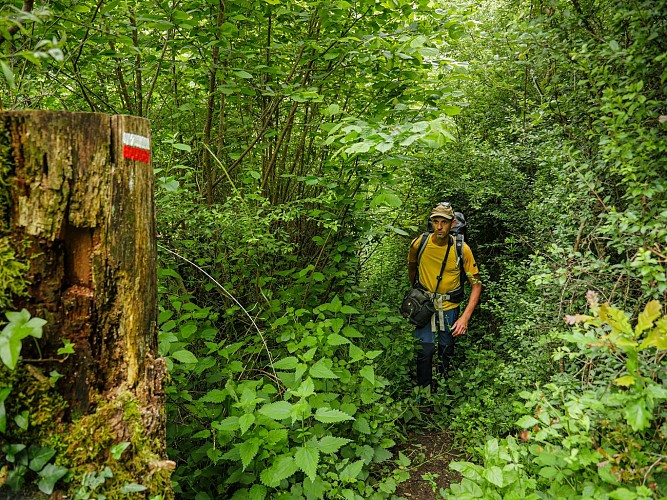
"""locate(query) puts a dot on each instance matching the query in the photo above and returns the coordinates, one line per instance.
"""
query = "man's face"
(441, 227)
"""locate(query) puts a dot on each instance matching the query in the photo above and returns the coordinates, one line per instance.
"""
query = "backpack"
(458, 232)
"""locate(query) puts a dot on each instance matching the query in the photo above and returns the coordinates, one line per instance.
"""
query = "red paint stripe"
(138, 154)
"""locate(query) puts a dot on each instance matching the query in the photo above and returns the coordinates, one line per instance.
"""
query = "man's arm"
(461, 324)
(412, 272)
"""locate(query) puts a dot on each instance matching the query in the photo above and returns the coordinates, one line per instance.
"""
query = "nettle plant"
(309, 422)
(606, 439)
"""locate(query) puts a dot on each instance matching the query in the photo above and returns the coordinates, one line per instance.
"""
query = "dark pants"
(426, 350)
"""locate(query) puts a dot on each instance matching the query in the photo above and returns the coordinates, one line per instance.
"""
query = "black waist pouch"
(417, 307)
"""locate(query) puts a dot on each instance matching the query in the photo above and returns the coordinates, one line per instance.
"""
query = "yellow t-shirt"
(431, 261)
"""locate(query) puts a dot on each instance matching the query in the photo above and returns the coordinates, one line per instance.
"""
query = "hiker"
(446, 323)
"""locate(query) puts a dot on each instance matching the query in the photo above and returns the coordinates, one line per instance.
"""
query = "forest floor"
(430, 453)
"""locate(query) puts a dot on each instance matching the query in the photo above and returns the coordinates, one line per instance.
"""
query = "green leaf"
(283, 467)
(49, 476)
(118, 449)
(247, 450)
(625, 381)
(258, 492)
(288, 363)
(229, 424)
(321, 370)
(351, 471)
(527, 421)
(494, 475)
(335, 340)
(623, 494)
(276, 411)
(637, 416)
(331, 444)
(657, 337)
(307, 459)
(368, 373)
(362, 426)
(132, 488)
(348, 310)
(9, 75)
(307, 388)
(39, 457)
(329, 416)
(184, 356)
(215, 396)
(10, 348)
(245, 421)
(181, 147)
(386, 198)
(650, 313)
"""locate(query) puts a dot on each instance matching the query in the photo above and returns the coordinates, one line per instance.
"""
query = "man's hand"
(460, 326)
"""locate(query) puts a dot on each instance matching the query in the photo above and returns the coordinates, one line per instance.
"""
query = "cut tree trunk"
(80, 210)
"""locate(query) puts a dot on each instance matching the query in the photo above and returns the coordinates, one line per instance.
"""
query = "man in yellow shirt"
(446, 323)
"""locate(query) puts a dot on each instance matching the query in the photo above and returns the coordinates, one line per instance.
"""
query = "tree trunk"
(80, 210)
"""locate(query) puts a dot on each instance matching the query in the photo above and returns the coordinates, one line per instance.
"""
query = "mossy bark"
(81, 214)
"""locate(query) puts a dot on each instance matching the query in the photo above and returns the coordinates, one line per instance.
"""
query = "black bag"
(417, 307)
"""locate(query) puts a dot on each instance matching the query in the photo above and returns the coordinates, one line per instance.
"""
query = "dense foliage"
(297, 148)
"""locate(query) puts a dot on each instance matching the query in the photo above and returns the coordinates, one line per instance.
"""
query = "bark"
(83, 215)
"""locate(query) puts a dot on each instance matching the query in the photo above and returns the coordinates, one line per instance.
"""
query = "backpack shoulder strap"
(420, 250)
(422, 246)
(459, 251)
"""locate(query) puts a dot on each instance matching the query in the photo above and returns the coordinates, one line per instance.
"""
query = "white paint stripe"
(136, 141)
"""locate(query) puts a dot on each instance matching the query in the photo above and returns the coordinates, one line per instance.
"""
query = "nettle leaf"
(336, 340)
(247, 451)
(245, 422)
(214, 396)
(348, 310)
(321, 370)
(258, 492)
(289, 363)
(352, 332)
(330, 416)
(230, 424)
(368, 373)
(277, 410)
(184, 356)
(362, 426)
(355, 353)
(337, 324)
(331, 444)
(307, 388)
(283, 467)
(307, 459)
(351, 471)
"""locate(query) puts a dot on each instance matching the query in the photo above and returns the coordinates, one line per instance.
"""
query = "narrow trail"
(430, 453)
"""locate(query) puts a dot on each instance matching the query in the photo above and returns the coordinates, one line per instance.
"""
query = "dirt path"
(430, 454)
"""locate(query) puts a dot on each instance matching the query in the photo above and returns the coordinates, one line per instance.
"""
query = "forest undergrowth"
(298, 148)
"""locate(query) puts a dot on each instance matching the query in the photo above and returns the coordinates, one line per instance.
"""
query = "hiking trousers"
(427, 340)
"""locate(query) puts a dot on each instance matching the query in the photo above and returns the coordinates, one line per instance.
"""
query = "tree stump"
(79, 208)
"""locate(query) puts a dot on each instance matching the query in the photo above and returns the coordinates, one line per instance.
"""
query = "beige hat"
(443, 210)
